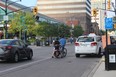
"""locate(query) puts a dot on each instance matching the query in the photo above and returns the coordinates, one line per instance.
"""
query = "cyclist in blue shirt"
(62, 42)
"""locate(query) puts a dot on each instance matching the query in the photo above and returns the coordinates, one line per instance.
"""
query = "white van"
(88, 44)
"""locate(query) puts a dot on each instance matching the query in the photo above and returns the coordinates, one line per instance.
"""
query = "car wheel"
(16, 57)
(77, 55)
(30, 55)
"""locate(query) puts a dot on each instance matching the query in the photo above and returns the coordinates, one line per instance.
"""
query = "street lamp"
(6, 16)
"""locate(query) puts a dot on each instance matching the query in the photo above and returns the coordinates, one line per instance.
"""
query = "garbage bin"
(110, 57)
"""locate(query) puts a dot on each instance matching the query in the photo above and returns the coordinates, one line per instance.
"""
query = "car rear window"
(5, 42)
(85, 39)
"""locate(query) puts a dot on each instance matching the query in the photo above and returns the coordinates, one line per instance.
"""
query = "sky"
(27, 2)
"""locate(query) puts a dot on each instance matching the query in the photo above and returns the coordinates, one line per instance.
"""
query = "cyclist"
(62, 42)
(56, 45)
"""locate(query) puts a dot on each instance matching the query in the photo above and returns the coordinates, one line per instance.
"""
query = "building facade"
(100, 6)
(15, 7)
(68, 10)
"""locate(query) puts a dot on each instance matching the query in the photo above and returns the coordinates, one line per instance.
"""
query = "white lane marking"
(35, 46)
(22, 66)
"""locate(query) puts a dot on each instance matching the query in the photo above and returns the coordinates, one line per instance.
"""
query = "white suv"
(88, 44)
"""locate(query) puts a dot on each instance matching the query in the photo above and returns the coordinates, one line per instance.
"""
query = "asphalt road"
(43, 65)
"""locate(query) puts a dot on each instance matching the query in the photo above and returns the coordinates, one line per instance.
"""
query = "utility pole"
(106, 50)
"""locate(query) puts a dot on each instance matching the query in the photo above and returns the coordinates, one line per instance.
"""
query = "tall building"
(77, 12)
(100, 6)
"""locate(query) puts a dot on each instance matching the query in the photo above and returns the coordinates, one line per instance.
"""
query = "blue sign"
(108, 23)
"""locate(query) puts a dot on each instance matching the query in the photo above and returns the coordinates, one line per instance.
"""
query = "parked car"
(88, 44)
(14, 50)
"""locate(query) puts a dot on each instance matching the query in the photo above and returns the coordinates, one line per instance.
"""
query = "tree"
(64, 30)
(22, 22)
(77, 31)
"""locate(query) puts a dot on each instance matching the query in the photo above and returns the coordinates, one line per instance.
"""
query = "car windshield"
(85, 39)
(5, 42)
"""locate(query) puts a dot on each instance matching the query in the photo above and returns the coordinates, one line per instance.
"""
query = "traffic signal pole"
(5, 26)
(106, 50)
(6, 16)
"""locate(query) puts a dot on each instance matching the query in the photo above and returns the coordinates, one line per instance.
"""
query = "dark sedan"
(14, 50)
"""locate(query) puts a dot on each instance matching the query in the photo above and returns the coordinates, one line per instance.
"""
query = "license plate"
(83, 45)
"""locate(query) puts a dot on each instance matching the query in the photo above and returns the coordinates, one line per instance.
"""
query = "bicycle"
(58, 53)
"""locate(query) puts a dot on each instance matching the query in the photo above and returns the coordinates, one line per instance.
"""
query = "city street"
(42, 65)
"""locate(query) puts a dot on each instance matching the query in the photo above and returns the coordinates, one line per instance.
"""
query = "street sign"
(5, 18)
(108, 23)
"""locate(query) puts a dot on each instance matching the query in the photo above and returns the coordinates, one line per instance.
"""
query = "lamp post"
(6, 17)
(5, 26)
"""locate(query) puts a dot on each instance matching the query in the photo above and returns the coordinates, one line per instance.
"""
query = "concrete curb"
(95, 68)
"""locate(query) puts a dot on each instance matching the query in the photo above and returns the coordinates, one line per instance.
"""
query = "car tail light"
(7, 47)
(76, 44)
(93, 44)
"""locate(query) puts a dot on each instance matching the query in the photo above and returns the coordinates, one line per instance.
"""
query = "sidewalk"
(99, 71)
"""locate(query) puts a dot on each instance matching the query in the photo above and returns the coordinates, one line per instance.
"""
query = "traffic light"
(108, 5)
(35, 10)
(114, 25)
(94, 11)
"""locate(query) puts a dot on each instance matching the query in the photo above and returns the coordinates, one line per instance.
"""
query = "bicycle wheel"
(56, 54)
(64, 53)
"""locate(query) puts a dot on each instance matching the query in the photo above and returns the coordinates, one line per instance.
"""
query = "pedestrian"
(71, 40)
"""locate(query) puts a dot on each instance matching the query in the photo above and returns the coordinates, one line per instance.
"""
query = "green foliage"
(48, 30)
(22, 21)
(26, 21)
(64, 30)
(77, 31)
